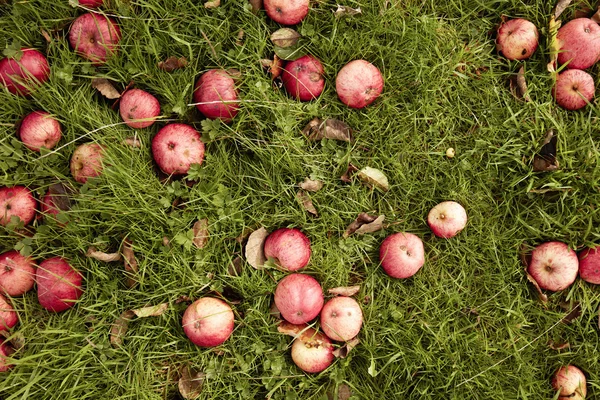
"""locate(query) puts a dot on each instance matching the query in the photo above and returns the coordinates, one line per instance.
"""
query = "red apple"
(289, 248)
(58, 284)
(447, 219)
(8, 316)
(299, 298)
(139, 108)
(49, 206)
(16, 201)
(574, 89)
(287, 12)
(303, 78)
(208, 322)
(176, 147)
(570, 382)
(341, 318)
(86, 162)
(312, 351)
(95, 37)
(589, 265)
(39, 129)
(17, 273)
(517, 39)
(553, 265)
(358, 84)
(402, 255)
(579, 41)
(91, 3)
(24, 74)
(6, 351)
(215, 95)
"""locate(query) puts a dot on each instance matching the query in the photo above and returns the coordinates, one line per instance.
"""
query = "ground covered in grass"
(468, 325)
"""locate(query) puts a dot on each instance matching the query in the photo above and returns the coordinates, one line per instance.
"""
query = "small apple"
(303, 78)
(58, 284)
(91, 3)
(8, 316)
(553, 265)
(17, 273)
(208, 322)
(215, 95)
(579, 41)
(358, 84)
(86, 162)
(341, 318)
(299, 298)
(447, 219)
(95, 37)
(312, 351)
(402, 255)
(39, 129)
(570, 382)
(574, 89)
(176, 147)
(139, 108)
(517, 39)
(289, 248)
(589, 265)
(287, 12)
(21, 75)
(6, 351)
(16, 201)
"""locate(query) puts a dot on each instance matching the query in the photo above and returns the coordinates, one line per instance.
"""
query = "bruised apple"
(215, 95)
(402, 255)
(8, 315)
(208, 322)
(24, 72)
(17, 273)
(312, 351)
(358, 84)
(299, 298)
(570, 382)
(16, 201)
(139, 108)
(86, 162)
(58, 284)
(517, 39)
(554, 266)
(176, 147)
(341, 318)
(39, 129)
(287, 12)
(95, 37)
(303, 78)
(289, 248)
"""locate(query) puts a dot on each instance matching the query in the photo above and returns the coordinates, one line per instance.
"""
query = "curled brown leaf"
(106, 88)
(347, 176)
(291, 329)
(374, 177)
(235, 267)
(173, 63)
(574, 310)
(344, 290)
(130, 262)
(212, 4)
(254, 252)
(151, 311)
(190, 383)
(518, 86)
(345, 11)
(342, 352)
(257, 5)
(101, 256)
(119, 328)
(329, 128)
(61, 196)
(200, 233)
(310, 185)
(546, 160)
(560, 7)
(558, 345)
(132, 141)
(285, 37)
(306, 202)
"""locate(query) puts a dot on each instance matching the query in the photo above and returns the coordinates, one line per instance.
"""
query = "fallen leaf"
(285, 37)
(105, 88)
(240, 38)
(310, 185)
(574, 310)
(291, 329)
(200, 233)
(554, 25)
(257, 5)
(60, 196)
(101, 256)
(345, 11)
(306, 202)
(344, 290)
(372, 226)
(347, 176)
(342, 352)
(183, 299)
(344, 392)
(363, 218)
(518, 86)
(172, 63)
(255, 255)
(235, 267)
(545, 160)
(541, 294)
(558, 345)
(560, 7)
(190, 383)
(374, 178)
(119, 328)
(212, 4)
(45, 34)
(151, 311)
(132, 141)
(329, 128)
(582, 10)
(130, 262)
(596, 16)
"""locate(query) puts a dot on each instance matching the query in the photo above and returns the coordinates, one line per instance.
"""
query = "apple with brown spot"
(286, 12)
(39, 129)
(517, 39)
(176, 147)
(303, 78)
(579, 41)
(16, 201)
(6, 351)
(299, 298)
(24, 72)
(8, 315)
(95, 37)
(402, 255)
(574, 89)
(59, 285)
(208, 322)
(447, 219)
(589, 265)
(554, 266)
(86, 162)
(358, 84)
(570, 382)
(17, 273)
(288, 248)
(215, 95)
(341, 318)
(312, 351)
(139, 108)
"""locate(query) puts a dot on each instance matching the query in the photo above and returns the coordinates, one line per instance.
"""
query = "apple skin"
(8, 315)
(91, 3)
(58, 284)
(208, 322)
(290, 248)
(39, 129)
(517, 39)
(48, 206)
(358, 84)
(16, 200)
(287, 12)
(86, 162)
(341, 318)
(303, 78)
(573, 87)
(402, 255)
(5, 351)
(312, 351)
(17, 273)
(579, 41)
(447, 219)
(95, 37)
(139, 108)
(571, 383)
(553, 265)
(31, 69)
(299, 298)
(176, 147)
(589, 265)
(217, 88)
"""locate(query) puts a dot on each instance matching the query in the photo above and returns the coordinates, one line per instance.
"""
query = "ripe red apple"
(553, 265)
(579, 41)
(16, 201)
(86, 162)
(517, 39)
(402, 255)
(358, 84)
(22, 75)
(8, 316)
(17, 273)
(289, 248)
(312, 351)
(208, 322)
(303, 78)
(6, 350)
(176, 147)
(139, 108)
(589, 265)
(95, 37)
(570, 382)
(39, 129)
(341, 318)
(216, 95)
(287, 12)
(447, 219)
(574, 89)
(299, 298)
(58, 284)
(91, 3)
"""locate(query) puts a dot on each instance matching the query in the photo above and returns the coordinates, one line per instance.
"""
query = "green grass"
(419, 340)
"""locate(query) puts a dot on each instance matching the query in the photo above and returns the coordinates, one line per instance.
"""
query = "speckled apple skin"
(39, 129)
(91, 3)
(402, 255)
(447, 219)
(176, 147)
(289, 248)
(574, 89)
(358, 84)
(216, 92)
(59, 285)
(341, 318)
(95, 37)
(16, 201)
(570, 381)
(17, 273)
(287, 12)
(8, 316)
(22, 76)
(312, 351)
(208, 322)
(303, 78)
(139, 108)
(554, 266)
(86, 162)
(299, 298)
(579, 41)
(5, 351)
(589, 265)
(517, 39)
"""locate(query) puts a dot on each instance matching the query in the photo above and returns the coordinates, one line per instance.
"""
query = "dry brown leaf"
(342, 352)
(132, 141)
(61, 196)
(560, 7)
(306, 202)
(235, 267)
(344, 392)
(347, 177)
(345, 11)
(172, 63)
(101, 256)
(130, 262)
(255, 255)
(240, 38)
(558, 345)
(291, 329)
(285, 37)
(105, 88)
(45, 34)
(344, 290)
(190, 383)
(373, 177)
(200, 233)
(257, 5)
(574, 311)
(596, 16)
(546, 160)
(330, 128)
(151, 311)
(119, 328)
(362, 219)
(212, 4)
(541, 294)
(554, 25)
(310, 185)
(371, 226)
(183, 299)
(518, 85)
